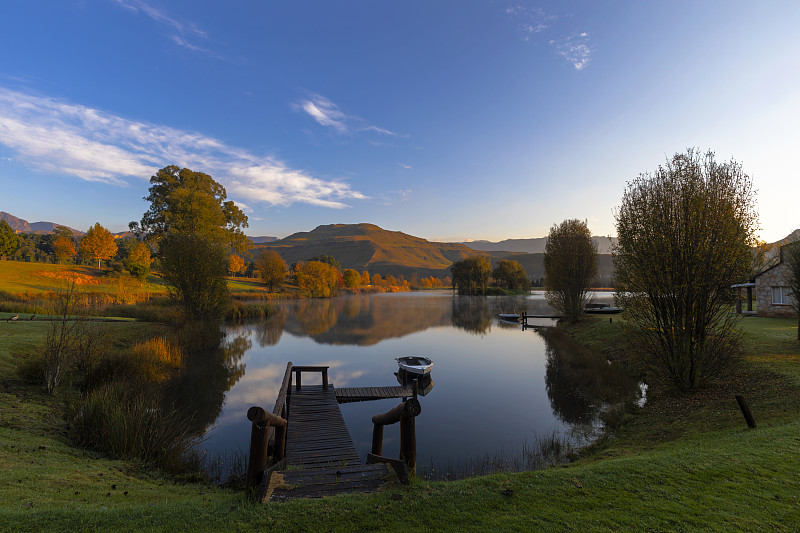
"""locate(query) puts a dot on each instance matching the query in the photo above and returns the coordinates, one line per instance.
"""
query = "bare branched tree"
(685, 236)
(60, 341)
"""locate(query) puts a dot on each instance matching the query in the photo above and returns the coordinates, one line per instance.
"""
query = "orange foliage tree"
(235, 264)
(99, 244)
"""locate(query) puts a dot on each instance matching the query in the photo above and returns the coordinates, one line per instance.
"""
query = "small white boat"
(415, 365)
(508, 317)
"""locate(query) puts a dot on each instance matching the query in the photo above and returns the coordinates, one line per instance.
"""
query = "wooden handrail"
(300, 369)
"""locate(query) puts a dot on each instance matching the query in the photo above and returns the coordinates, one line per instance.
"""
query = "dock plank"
(365, 394)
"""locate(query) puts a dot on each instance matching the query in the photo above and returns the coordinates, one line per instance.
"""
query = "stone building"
(773, 296)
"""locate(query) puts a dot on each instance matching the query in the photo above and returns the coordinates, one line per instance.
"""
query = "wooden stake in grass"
(748, 415)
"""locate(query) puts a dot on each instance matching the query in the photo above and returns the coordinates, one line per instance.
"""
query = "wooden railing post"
(325, 379)
(377, 439)
(259, 437)
(405, 414)
(258, 450)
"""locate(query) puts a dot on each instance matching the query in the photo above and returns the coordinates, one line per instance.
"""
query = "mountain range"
(533, 246)
(20, 225)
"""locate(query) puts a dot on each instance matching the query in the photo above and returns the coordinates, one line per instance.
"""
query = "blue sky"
(449, 120)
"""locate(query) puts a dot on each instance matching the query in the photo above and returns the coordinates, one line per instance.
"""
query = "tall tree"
(352, 278)
(8, 240)
(570, 265)
(471, 275)
(235, 264)
(319, 279)
(189, 214)
(685, 234)
(139, 260)
(98, 243)
(272, 268)
(791, 254)
(510, 275)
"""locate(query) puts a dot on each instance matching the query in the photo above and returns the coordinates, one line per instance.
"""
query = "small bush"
(31, 370)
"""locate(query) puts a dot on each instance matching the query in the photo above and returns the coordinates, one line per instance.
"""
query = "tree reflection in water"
(316, 316)
(270, 329)
(472, 314)
(580, 382)
(199, 388)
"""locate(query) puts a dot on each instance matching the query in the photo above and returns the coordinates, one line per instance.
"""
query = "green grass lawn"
(680, 463)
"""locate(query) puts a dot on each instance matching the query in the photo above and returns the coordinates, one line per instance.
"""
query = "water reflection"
(472, 314)
(199, 389)
(521, 384)
(581, 381)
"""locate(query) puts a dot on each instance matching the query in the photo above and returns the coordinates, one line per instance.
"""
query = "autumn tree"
(685, 234)
(570, 265)
(272, 268)
(139, 260)
(63, 243)
(8, 240)
(318, 279)
(235, 264)
(352, 278)
(193, 224)
(471, 275)
(510, 275)
(98, 243)
(365, 279)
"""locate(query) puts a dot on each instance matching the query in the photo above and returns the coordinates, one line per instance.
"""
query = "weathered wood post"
(748, 415)
(405, 414)
(259, 437)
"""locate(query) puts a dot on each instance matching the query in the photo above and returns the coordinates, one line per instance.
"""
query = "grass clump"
(132, 424)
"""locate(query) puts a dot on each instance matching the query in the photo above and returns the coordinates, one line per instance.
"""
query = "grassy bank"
(678, 464)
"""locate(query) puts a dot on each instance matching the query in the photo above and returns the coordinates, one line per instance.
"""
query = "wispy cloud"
(407, 167)
(531, 19)
(535, 22)
(181, 32)
(93, 145)
(326, 113)
(575, 49)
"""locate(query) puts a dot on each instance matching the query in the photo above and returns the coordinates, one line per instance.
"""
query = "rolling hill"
(534, 246)
(369, 247)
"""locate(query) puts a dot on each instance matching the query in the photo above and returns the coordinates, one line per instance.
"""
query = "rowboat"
(415, 365)
(509, 317)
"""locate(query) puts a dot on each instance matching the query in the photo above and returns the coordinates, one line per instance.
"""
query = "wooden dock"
(366, 394)
(320, 458)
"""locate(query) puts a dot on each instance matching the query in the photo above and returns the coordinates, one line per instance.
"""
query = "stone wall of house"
(774, 277)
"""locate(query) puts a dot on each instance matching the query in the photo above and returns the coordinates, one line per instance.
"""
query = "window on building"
(780, 295)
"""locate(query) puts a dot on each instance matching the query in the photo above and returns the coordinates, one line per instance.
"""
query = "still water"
(495, 389)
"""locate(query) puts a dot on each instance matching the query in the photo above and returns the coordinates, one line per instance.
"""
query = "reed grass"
(130, 423)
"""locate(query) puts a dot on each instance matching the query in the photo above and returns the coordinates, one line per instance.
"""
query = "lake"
(496, 387)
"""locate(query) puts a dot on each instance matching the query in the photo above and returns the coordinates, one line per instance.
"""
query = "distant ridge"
(533, 246)
(262, 240)
(21, 225)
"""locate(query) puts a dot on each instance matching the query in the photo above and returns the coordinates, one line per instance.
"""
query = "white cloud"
(325, 112)
(328, 114)
(407, 167)
(56, 136)
(575, 49)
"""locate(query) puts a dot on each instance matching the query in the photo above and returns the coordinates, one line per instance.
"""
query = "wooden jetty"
(366, 394)
(315, 455)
